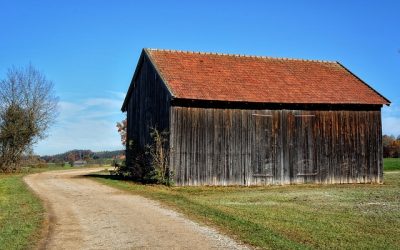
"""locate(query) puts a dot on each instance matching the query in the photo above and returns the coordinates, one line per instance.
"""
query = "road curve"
(84, 214)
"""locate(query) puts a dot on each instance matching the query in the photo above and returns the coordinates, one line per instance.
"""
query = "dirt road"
(84, 214)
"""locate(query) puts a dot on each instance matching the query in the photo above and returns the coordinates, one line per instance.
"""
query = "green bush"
(149, 165)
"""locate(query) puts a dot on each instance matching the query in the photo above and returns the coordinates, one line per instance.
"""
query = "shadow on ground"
(105, 176)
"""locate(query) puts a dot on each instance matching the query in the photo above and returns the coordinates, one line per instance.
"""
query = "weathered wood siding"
(255, 147)
(148, 105)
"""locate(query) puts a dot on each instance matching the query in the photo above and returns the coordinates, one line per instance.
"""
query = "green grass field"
(390, 164)
(21, 212)
(360, 216)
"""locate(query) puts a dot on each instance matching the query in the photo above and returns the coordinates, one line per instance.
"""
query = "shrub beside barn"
(249, 120)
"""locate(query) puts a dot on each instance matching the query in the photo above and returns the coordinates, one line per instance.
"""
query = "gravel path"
(83, 214)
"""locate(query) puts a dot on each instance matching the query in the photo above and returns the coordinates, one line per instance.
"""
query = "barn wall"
(148, 106)
(255, 147)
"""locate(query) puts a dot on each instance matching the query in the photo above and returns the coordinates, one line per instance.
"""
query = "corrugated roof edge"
(240, 55)
(388, 102)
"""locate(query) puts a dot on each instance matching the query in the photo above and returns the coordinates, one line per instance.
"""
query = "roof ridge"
(241, 55)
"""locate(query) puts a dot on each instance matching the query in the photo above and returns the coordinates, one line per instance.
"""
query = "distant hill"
(82, 154)
(109, 154)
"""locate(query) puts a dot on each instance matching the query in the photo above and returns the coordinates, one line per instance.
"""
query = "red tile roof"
(210, 76)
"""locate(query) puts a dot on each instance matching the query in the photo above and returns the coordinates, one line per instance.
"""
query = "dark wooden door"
(302, 158)
(264, 161)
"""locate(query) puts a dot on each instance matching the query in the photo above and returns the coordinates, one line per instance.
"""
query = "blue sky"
(90, 48)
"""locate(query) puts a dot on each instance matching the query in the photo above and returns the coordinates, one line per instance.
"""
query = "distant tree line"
(82, 154)
(391, 146)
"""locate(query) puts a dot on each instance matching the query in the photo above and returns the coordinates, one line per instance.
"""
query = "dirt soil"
(84, 214)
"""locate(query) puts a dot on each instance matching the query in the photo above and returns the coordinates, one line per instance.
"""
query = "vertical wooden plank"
(225, 147)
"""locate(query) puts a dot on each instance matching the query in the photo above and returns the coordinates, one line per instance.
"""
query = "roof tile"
(208, 76)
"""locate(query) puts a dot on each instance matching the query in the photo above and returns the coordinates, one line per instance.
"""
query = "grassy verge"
(391, 164)
(21, 212)
(362, 216)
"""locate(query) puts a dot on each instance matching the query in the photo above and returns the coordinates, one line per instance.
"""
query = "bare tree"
(28, 106)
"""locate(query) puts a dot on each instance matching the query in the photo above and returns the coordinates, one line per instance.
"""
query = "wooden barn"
(251, 120)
